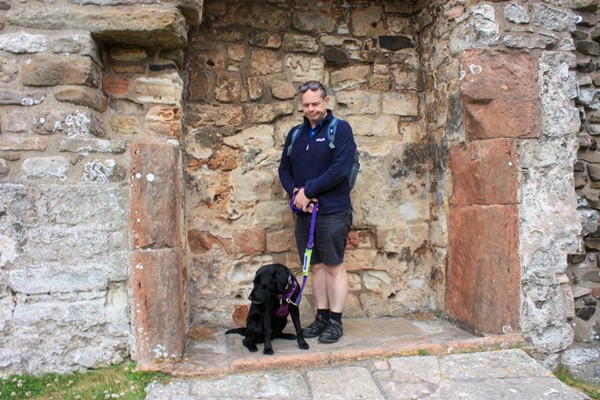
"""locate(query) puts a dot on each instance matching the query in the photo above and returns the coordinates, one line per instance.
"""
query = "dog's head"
(270, 281)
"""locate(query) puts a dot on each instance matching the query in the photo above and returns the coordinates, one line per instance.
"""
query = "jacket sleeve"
(285, 167)
(339, 170)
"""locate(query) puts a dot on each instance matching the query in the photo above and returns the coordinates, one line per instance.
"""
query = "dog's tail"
(241, 331)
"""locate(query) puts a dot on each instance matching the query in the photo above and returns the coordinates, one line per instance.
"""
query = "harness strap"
(307, 254)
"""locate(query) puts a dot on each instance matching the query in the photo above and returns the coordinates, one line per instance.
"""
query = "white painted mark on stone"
(150, 177)
(138, 175)
(475, 69)
(140, 266)
(461, 73)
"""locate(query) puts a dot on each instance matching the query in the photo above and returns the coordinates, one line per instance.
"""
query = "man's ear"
(326, 100)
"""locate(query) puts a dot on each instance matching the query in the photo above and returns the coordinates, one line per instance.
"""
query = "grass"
(114, 382)
(563, 373)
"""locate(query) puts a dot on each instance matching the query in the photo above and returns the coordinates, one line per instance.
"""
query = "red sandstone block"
(484, 172)
(155, 196)
(115, 86)
(484, 286)
(158, 304)
(499, 94)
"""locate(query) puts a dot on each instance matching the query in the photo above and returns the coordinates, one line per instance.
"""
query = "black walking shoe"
(316, 328)
(332, 333)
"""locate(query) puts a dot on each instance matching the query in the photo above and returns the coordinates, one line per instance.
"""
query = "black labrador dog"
(274, 284)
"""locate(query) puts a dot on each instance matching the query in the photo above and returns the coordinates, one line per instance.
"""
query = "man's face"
(315, 108)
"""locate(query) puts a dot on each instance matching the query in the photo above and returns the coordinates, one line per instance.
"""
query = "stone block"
(484, 276)
(157, 304)
(155, 196)
(280, 241)
(485, 173)
(300, 43)
(23, 42)
(58, 70)
(553, 18)
(125, 124)
(250, 241)
(264, 62)
(229, 87)
(83, 96)
(164, 121)
(8, 97)
(58, 279)
(499, 94)
(405, 104)
(203, 241)
(23, 144)
(45, 167)
(257, 113)
(268, 40)
(313, 22)
(218, 115)
(151, 25)
(349, 77)
(368, 21)
(358, 102)
(91, 146)
(165, 89)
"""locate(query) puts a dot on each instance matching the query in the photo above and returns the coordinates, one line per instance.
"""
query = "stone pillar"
(157, 271)
(499, 97)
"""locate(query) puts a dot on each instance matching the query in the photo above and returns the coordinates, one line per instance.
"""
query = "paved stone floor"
(386, 358)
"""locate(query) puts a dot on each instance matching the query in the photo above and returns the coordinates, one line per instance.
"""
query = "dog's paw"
(268, 352)
(252, 348)
(303, 345)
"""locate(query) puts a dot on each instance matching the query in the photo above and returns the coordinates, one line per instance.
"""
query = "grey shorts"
(331, 235)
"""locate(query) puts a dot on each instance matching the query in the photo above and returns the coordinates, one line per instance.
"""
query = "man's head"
(314, 99)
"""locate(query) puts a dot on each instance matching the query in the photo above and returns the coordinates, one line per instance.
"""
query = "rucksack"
(331, 131)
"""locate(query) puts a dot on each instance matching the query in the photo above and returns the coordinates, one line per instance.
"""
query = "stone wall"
(245, 62)
(583, 356)
(506, 113)
(138, 166)
(90, 193)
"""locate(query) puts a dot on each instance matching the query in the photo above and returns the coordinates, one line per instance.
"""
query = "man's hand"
(302, 202)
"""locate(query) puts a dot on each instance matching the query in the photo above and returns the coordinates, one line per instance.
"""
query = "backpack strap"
(331, 131)
(295, 133)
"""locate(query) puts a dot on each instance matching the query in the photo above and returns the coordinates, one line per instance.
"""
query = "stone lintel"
(157, 304)
(484, 274)
(152, 25)
(484, 172)
(499, 94)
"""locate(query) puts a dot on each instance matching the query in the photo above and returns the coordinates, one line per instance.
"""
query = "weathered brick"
(56, 70)
(115, 85)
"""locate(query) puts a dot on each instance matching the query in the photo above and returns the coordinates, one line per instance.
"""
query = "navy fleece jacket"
(322, 171)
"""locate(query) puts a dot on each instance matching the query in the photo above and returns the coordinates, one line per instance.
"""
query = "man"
(313, 171)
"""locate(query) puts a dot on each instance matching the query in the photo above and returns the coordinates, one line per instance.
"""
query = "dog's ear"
(281, 278)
